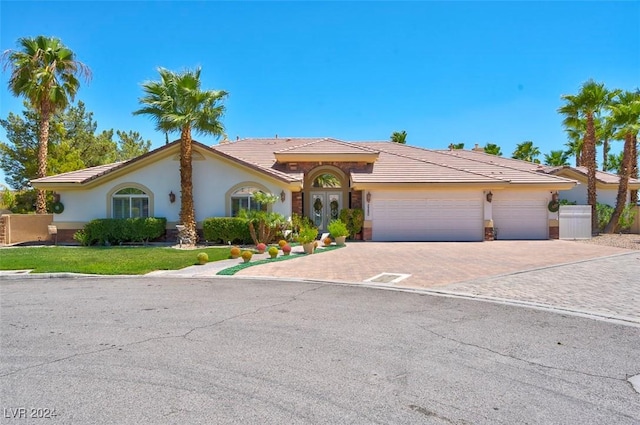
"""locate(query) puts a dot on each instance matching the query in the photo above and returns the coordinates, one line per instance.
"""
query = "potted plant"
(286, 249)
(261, 248)
(338, 230)
(273, 252)
(235, 252)
(307, 238)
(246, 256)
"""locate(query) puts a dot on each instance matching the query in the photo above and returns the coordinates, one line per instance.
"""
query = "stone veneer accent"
(488, 234)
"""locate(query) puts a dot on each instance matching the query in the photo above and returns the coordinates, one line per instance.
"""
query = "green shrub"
(307, 235)
(113, 231)
(627, 218)
(226, 229)
(603, 212)
(273, 251)
(337, 228)
(354, 219)
(82, 238)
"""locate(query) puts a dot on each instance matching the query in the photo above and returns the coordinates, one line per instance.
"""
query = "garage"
(521, 219)
(413, 220)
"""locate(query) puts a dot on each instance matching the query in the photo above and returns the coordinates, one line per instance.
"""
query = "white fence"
(575, 221)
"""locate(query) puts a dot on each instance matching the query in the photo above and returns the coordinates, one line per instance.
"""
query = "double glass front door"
(325, 206)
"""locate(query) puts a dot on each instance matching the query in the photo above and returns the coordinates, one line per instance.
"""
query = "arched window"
(130, 202)
(242, 199)
(326, 180)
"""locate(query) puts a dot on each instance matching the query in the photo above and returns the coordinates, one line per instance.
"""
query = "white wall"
(579, 195)
(212, 179)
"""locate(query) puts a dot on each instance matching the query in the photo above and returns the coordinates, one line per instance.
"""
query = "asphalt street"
(161, 350)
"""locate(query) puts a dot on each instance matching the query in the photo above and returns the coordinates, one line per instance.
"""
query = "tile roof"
(80, 176)
(454, 168)
(395, 163)
(601, 176)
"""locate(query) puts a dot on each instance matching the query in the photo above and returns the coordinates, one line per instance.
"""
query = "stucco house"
(606, 183)
(407, 193)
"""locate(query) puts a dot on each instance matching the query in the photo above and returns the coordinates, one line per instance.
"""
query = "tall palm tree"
(399, 137)
(178, 104)
(625, 113)
(556, 158)
(492, 149)
(588, 104)
(45, 72)
(526, 152)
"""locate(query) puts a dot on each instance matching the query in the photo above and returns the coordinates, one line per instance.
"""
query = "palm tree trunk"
(589, 159)
(605, 152)
(41, 198)
(625, 170)
(634, 170)
(187, 213)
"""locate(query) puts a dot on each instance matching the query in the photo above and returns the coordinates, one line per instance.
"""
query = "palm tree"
(556, 158)
(526, 152)
(399, 137)
(177, 103)
(614, 162)
(575, 143)
(44, 71)
(492, 149)
(625, 113)
(588, 104)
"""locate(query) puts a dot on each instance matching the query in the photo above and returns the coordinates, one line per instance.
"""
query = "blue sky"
(472, 72)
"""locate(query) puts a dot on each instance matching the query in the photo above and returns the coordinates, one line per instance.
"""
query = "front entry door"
(325, 206)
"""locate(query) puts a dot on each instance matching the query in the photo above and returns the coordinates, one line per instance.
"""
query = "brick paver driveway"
(431, 264)
(570, 276)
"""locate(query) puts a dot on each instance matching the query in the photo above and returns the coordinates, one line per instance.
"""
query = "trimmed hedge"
(226, 229)
(114, 231)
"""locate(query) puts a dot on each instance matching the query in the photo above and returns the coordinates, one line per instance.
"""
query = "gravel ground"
(627, 241)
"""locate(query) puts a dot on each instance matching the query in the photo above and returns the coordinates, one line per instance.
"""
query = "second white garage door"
(521, 219)
(427, 220)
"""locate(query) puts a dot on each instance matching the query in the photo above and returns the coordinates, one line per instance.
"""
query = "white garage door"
(521, 219)
(427, 220)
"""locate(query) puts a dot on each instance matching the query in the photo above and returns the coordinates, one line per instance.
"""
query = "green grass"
(103, 260)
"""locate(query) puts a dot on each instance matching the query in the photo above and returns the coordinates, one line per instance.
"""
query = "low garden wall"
(18, 228)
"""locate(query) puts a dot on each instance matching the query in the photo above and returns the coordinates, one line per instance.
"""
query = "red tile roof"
(395, 163)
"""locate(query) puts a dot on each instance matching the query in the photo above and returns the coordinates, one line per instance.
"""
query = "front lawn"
(103, 260)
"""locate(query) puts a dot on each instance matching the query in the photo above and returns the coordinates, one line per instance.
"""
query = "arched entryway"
(327, 191)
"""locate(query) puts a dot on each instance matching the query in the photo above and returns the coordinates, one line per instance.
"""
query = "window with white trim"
(242, 199)
(130, 203)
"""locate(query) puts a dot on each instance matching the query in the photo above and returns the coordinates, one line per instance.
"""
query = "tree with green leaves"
(399, 137)
(177, 103)
(526, 151)
(556, 158)
(44, 71)
(74, 143)
(625, 115)
(492, 149)
(614, 163)
(453, 146)
(587, 105)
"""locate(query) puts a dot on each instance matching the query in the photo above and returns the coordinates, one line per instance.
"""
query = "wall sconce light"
(489, 197)
(172, 197)
(554, 197)
(368, 197)
(282, 196)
